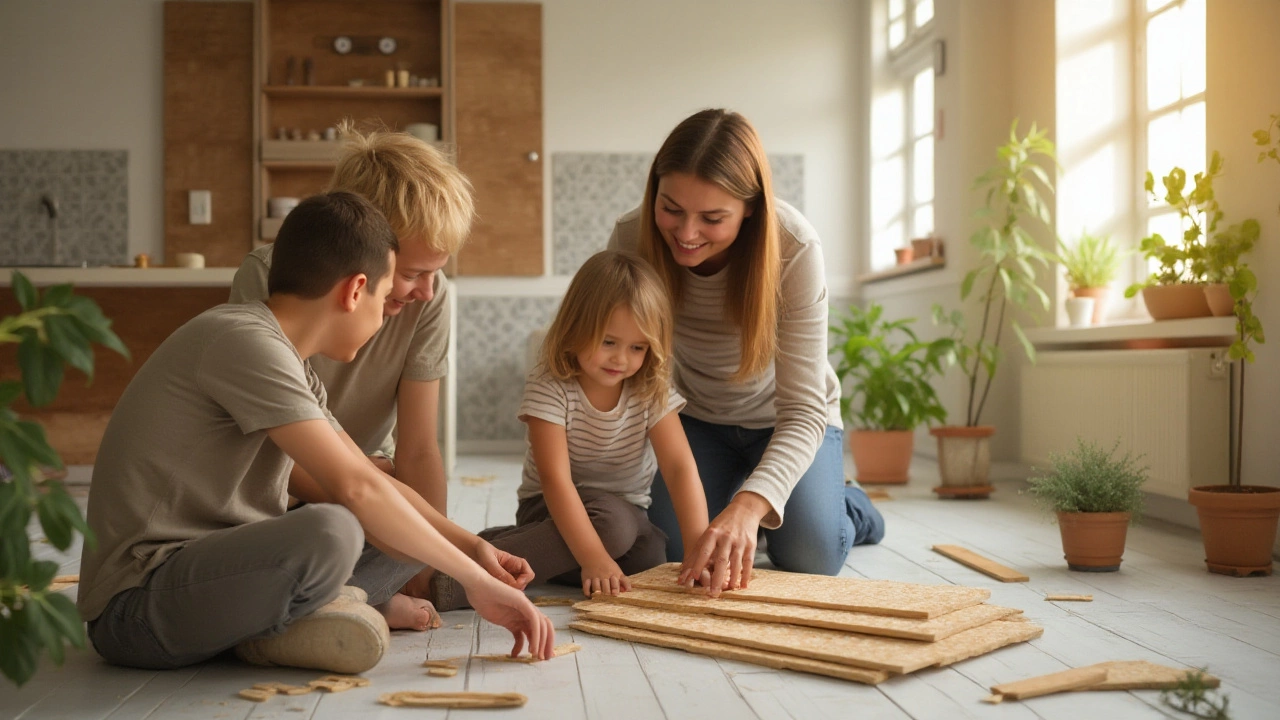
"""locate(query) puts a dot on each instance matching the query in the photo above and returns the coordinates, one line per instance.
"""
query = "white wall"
(1243, 92)
(87, 74)
(618, 76)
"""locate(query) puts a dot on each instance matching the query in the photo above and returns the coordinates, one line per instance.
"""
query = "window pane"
(883, 243)
(922, 103)
(1193, 48)
(897, 33)
(886, 124)
(1170, 227)
(897, 8)
(922, 170)
(1177, 140)
(922, 221)
(1164, 62)
(886, 192)
(924, 12)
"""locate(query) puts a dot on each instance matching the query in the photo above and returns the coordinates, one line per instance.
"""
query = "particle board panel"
(868, 651)
(730, 652)
(986, 566)
(880, 597)
(930, 630)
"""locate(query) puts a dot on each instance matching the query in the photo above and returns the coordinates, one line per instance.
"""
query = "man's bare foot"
(409, 613)
(420, 585)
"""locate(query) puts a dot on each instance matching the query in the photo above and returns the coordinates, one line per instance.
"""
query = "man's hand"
(507, 568)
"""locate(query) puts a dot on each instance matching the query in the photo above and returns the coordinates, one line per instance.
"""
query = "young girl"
(599, 408)
(745, 272)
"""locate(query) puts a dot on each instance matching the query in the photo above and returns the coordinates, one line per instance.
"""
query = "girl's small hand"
(604, 577)
(509, 569)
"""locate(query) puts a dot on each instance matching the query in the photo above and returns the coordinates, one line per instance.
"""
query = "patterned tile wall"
(590, 190)
(91, 189)
(492, 336)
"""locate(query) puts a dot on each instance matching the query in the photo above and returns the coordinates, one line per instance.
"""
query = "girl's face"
(698, 220)
(619, 355)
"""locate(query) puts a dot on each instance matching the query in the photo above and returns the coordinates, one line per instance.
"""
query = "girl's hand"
(507, 568)
(504, 605)
(605, 577)
(728, 547)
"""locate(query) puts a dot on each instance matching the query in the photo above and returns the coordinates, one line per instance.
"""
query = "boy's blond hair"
(425, 197)
(606, 281)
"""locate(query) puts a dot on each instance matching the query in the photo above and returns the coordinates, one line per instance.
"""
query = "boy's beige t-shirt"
(362, 393)
(186, 452)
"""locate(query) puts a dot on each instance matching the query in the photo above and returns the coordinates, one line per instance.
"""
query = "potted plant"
(886, 373)
(1006, 276)
(1091, 264)
(51, 331)
(1224, 267)
(1095, 497)
(1238, 522)
(1176, 289)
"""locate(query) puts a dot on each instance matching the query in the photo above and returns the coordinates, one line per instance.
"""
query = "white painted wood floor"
(1162, 606)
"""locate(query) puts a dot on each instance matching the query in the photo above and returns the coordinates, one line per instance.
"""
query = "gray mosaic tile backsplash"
(492, 335)
(590, 190)
(91, 189)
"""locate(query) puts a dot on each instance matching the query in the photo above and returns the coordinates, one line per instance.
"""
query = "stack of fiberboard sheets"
(860, 630)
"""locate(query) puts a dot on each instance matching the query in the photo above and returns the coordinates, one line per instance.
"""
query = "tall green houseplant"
(53, 330)
(1007, 260)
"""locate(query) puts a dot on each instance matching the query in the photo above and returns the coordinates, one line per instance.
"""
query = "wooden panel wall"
(143, 318)
(498, 108)
(208, 127)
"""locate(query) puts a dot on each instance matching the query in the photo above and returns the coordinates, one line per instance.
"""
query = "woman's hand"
(728, 547)
(504, 605)
(507, 568)
(605, 577)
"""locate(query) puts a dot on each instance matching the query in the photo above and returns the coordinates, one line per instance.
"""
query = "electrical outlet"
(1219, 365)
(200, 207)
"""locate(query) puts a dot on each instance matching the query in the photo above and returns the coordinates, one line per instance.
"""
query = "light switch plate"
(200, 207)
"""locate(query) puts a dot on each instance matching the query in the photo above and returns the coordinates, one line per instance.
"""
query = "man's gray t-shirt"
(186, 451)
(411, 345)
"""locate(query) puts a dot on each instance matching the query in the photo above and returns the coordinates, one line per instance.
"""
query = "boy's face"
(366, 319)
(414, 278)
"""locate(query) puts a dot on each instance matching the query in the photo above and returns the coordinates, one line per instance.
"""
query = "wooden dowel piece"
(983, 565)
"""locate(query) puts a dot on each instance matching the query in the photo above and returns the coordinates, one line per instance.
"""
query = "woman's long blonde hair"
(721, 147)
(606, 281)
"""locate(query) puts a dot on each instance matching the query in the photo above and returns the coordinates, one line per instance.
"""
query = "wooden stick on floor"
(983, 565)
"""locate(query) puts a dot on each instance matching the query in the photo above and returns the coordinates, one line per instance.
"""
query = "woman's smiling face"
(698, 220)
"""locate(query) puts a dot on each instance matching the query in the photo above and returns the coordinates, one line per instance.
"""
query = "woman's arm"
(550, 447)
(419, 463)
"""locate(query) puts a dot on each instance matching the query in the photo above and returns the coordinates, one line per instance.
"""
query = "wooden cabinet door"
(498, 111)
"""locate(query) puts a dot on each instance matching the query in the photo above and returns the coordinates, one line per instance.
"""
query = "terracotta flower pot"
(1238, 524)
(922, 248)
(1093, 542)
(1101, 299)
(903, 255)
(882, 456)
(1174, 302)
(1218, 295)
(964, 460)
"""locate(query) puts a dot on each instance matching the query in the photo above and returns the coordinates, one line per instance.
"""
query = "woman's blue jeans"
(823, 517)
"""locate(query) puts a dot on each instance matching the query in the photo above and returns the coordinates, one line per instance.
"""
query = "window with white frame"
(1170, 101)
(906, 21)
(902, 145)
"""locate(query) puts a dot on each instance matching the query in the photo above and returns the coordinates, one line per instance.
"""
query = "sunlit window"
(907, 20)
(902, 183)
(1171, 103)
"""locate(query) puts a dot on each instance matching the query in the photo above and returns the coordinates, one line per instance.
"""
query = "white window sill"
(1138, 334)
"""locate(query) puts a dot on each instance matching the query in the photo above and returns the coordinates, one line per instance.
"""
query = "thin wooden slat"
(868, 651)
(930, 630)
(1143, 675)
(1068, 598)
(986, 566)
(1073, 679)
(880, 597)
(731, 652)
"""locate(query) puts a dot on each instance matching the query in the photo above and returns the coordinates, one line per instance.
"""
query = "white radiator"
(1170, 406)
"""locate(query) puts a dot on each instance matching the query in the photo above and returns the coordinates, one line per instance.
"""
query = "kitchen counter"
(123, 276)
